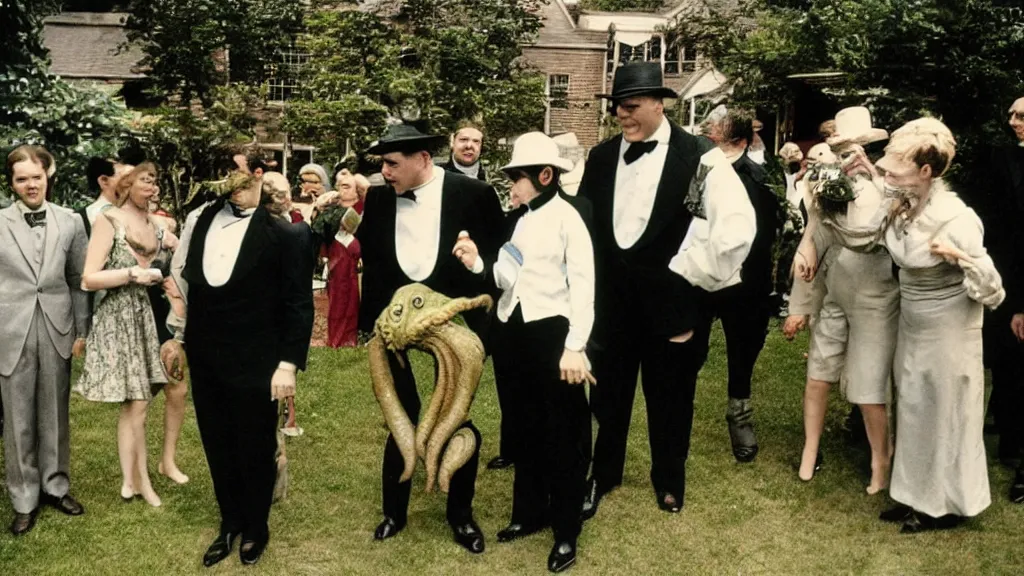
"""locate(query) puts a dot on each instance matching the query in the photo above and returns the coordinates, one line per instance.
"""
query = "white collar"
(1020, 143)
(663, 133)
(26, 210)
(431, 188)
(471, 170)
(101, 201)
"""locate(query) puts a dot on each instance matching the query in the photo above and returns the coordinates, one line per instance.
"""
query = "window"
(649, 51)
(688, 58)
(558, 90)
(284, 75)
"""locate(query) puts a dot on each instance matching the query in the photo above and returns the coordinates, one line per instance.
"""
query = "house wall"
(585, 68)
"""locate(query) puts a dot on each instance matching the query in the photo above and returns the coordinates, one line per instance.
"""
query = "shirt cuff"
(574, 343)
(478, 266)
(287, 366)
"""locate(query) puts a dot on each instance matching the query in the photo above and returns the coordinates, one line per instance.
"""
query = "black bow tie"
(638, 149)
(408, 195)
(238, 212)
(35, 219)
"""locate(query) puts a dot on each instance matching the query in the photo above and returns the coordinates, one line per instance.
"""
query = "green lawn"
(738, 519)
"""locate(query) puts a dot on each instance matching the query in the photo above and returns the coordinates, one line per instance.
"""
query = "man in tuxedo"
(45, 318)
(746, 308)
(250, 318)
(409, 230)
(1004, 328)
(649, 317)
(466, 144)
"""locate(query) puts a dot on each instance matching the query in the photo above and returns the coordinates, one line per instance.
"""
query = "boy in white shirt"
(545, 273)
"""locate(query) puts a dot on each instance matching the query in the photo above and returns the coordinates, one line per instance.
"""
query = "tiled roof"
(87, 45)
(559, 30)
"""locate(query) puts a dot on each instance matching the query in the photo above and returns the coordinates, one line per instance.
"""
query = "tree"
(36, 107)
(958, 60)
(192, 46)
(436, 61)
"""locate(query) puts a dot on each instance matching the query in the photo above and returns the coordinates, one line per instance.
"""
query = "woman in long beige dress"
(940, 473)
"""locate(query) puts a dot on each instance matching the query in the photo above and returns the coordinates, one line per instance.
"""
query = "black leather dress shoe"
(591, 499)
(22, 523)
(918, 522)
(388, 528)
(251, 550)
(469, 536)
(563, 555)
(515, 530)
(669, 502)
(499, 463)
(1017, 488)
(65, 504)
(897, 513)
(220, 549)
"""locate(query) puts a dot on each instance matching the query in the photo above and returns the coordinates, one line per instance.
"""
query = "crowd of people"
(667, 232)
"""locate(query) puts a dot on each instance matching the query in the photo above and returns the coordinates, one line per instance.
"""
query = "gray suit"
(43, 310)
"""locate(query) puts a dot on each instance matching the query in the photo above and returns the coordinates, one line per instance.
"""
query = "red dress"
(342, 291)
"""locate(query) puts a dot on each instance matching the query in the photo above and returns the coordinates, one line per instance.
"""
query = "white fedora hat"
(854, 125)
(537, 149)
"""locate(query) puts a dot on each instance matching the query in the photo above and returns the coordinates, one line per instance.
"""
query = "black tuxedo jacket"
(466, 204)
(634, 289)
(449, 166)
(757, 268)
(264, 314)
(1002, 213)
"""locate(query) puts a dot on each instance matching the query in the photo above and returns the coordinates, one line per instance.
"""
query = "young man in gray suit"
(45, 317)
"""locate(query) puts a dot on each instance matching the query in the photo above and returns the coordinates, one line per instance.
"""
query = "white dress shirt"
(223, 242)
(557, 273)
(38, 234)
(636, 186)
(418, 228)
(96, 208)
(473, 171)
(713, 251)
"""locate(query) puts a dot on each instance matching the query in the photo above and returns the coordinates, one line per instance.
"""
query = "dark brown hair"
(36, 154)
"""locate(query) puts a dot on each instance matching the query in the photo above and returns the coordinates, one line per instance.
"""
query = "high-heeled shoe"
(818, 461)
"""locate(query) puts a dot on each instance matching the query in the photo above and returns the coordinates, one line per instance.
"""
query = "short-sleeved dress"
(122, 358)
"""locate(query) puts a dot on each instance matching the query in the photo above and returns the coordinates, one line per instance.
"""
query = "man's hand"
(327, 199)
(575, 368)
(1017, 325)
(282, 384)
(857, 162)
(466, 250)
(78, 348)
(793, 324)
(172, 356)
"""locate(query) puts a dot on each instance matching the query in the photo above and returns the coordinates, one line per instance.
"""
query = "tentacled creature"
(420, 318)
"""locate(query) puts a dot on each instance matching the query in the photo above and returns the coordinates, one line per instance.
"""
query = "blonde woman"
(122, 361)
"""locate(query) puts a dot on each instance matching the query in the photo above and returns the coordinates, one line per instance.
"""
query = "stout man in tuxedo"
(466, 144)
(250, 318)
(408, 233)
(649, 317)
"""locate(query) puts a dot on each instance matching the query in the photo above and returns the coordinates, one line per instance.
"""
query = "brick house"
(579, 50)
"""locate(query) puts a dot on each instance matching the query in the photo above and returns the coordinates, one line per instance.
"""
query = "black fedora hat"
(638, 79)
(403, 138)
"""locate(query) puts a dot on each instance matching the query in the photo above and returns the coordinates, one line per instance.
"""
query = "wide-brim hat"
(537, 149)
(404, 138)
(853, 126)
(638, 79)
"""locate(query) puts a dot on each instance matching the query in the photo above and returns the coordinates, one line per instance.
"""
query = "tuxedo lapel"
(22, 236)
(52, 236)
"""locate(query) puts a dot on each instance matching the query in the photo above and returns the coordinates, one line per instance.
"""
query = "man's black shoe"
(563, 555)
(387, 528)
(220, 549)
(23, 522)
(898, 513)
(251, 550)
(65, 504)
(499, 463)
(469, 536)
(591, 499)
(1017, 488)
(515, 531)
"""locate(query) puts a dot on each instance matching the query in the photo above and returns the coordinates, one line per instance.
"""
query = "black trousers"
(549, 422)
(396, 494)
(238, 427)
(669, 380)
(1006, 360)
(745, 314)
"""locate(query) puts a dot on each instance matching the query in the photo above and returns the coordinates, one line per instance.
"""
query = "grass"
(738, 519)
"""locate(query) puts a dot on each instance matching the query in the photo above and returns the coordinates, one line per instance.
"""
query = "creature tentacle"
(397, 420)
(460, 449)
(445, 371)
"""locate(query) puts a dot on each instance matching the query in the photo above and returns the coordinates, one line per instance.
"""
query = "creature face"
(415, 311)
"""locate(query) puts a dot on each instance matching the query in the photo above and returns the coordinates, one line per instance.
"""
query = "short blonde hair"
(925, 142)
(124, 185)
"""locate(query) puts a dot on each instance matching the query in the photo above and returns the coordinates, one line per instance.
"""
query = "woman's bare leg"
(815, 405)
(876, 423)
(138, 418)
(174, 416)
